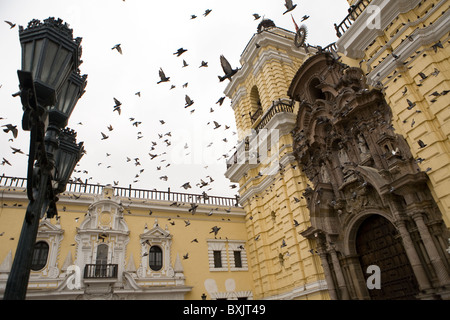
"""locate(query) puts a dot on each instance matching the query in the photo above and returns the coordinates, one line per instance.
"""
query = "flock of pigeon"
(164, 138)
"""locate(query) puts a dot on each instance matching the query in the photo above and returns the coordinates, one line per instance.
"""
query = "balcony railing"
(100, 271)
(277, 107)
(256, 115)
(354, 12)
(76, 187)
(234, 158)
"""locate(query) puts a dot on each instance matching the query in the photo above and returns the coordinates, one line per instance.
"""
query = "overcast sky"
(149, 33)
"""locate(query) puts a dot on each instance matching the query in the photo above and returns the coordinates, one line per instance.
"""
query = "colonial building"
(343, 171)
(343, 155)
(119, 243)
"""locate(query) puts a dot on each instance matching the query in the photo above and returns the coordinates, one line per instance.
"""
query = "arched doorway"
(378, 243)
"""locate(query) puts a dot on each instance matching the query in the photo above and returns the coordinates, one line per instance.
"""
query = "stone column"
(435, 258)
(359, 283)
(419, 271)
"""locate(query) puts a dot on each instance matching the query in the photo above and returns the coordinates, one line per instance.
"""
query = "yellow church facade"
(403, 46)
(343, 171)
(346, 171)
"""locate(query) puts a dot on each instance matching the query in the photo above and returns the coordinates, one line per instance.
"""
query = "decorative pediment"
(105, 213)
(46, 228)
(156, 233)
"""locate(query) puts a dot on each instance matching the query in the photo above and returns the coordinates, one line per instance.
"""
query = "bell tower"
(284, 264)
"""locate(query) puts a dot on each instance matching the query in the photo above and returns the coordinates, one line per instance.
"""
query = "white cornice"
(268, 55)
(277, 37)
(240, 93)
(361, 33)
(301, 291)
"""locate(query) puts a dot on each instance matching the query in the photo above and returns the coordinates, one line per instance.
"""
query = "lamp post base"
(16, 287)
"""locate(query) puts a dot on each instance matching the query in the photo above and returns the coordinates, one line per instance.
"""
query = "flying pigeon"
(117, 105)
(162, 76)
(118, 48)
(215, 229)
(229, 72)
(186, 185)
(289, 6)
(12, 128)
(189, 101)
(11, 25)
(180, 51)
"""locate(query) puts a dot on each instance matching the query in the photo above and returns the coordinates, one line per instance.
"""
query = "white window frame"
(217, 245)
(235, 245)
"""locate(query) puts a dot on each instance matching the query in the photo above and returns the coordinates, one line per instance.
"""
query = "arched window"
(102, 254)
(155, 258)
(256, 107)
(40, 255)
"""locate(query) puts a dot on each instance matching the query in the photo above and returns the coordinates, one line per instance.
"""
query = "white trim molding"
(217, 245)
(301, 291)
(420, 37)
(362, 32)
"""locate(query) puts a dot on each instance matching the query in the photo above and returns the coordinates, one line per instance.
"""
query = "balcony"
(280, 106)
(354, 12)
(100, 271)
(276, 122)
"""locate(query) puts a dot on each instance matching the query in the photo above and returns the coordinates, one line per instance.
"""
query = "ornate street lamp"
(50, 86)
(49, 54)
(66, 158)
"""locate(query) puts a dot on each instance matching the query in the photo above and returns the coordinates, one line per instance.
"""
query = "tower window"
(40, 255)
(155, 258)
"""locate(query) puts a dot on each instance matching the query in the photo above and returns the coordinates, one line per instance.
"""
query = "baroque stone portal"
(360, 168)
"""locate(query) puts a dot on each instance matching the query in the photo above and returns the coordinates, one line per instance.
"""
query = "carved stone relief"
(347, 147)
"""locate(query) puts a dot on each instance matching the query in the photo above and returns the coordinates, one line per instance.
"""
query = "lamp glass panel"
(27, 55)
(47, 66)
(61, 164)
(67, 97)
(67, 103)
(64, 166)
(38, 45)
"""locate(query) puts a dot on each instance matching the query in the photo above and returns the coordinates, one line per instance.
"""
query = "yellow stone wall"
(272, 83)
(278, 272)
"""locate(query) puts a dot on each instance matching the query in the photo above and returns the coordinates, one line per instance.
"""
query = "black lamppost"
(50, 86)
